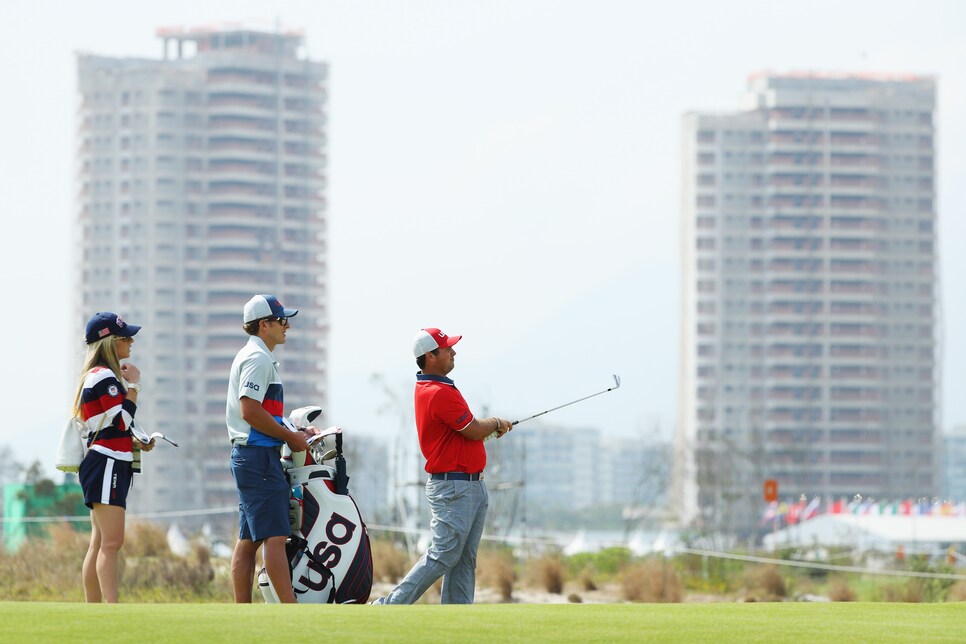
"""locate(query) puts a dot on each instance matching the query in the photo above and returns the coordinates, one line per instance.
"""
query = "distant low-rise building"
(577, 469)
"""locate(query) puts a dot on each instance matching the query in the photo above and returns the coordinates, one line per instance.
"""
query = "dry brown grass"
(167, 577)
(144, 539)
(45, 569)
(765, 583)
(151, 571)
(549, 573)
(910, 592)
(957, 592)
(49, 569)
(587, 581)
(390, 562)
(839, 591)
(496, 569)
(652, 581)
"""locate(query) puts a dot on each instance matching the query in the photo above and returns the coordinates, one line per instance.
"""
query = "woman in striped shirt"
(106, 401)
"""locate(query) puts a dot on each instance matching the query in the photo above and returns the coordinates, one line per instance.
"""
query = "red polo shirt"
(441, 415)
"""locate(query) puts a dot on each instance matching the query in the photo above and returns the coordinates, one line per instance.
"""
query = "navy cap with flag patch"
(106, 323)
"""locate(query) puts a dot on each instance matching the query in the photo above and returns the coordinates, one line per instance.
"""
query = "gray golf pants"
(459, 511)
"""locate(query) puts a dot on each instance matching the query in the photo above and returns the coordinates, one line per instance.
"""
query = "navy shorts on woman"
(104, 479)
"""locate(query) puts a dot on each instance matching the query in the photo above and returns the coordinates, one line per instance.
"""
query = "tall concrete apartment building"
(809, 330)
(954, 464)
(201, 181)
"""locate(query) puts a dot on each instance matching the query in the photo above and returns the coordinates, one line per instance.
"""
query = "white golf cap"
(428, 339)
(266, 306)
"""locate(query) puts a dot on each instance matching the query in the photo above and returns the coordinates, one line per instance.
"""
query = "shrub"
(496, 570)
(144, 539)
(549, 574)
(930, 589)
(610, 561)
(766, 581)
(839, 591)
(957, 592)
(920, 589)
(652, 581)
(594, 569)
(907, 592)
(712, 574)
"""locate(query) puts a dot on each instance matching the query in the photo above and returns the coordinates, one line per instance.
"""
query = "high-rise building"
(809, 338)
(201, 181)
(954, 464)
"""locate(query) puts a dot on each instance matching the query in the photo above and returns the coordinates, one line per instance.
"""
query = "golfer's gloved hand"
(502, 427)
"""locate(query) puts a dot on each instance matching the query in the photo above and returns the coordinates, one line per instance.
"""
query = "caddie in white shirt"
(254, 412)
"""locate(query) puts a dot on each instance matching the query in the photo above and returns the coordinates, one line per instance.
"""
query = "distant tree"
(44, 498)
(10, 469)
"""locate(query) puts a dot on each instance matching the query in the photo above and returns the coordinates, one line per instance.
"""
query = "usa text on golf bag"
(329, 553)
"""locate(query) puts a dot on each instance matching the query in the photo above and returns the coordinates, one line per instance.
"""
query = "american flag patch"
(103, 332)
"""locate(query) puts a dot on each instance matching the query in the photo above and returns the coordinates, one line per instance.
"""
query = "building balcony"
(229, 148)
(241, 130)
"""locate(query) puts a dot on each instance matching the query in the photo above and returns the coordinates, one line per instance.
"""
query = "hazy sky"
(508, 170)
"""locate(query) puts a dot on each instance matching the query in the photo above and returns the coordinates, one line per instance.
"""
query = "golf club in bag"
(329, 554)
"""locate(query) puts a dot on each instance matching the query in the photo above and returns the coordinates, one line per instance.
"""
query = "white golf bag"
(328, 553)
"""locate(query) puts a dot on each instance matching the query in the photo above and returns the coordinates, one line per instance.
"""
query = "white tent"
(866, 531)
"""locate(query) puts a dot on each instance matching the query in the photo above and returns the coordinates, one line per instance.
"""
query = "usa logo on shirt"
(112, 391)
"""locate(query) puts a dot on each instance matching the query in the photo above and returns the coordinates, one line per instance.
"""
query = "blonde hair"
(101, 353)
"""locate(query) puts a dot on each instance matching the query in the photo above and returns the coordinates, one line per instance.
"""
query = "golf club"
(617, 384)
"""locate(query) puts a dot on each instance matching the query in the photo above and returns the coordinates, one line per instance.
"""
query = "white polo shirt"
(254, 374)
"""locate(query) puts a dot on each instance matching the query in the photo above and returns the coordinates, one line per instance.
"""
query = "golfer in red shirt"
(451, 440)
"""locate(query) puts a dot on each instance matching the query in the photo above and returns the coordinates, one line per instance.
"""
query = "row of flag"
(803, 510)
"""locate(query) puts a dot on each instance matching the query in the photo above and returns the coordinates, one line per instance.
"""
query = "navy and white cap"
(429, 339)
(105, 324)
(266, 306)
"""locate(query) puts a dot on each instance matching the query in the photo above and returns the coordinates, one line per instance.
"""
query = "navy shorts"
(263, 493)
(104, 479)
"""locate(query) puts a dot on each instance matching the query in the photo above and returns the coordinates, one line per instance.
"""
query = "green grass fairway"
(41, 622)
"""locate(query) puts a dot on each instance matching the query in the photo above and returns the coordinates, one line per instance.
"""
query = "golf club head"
(617, 381)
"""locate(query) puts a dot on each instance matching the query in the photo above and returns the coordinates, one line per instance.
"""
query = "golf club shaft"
(617, 383)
